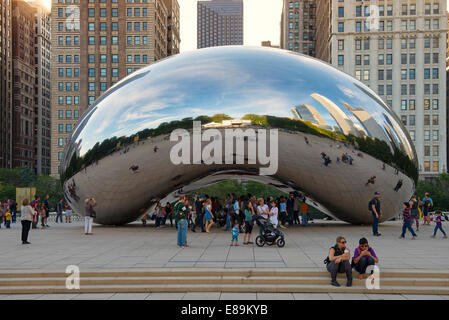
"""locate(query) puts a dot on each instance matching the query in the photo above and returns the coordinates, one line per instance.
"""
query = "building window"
(341, 44)
(341, 60)
(341, 27)
(426, 166)
(435, 166)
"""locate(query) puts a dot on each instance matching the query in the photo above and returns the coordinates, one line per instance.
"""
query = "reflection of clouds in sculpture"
(234, 81)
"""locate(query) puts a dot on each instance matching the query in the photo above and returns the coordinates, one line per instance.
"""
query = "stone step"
(216, 272)
(226, 288)
(218, 280)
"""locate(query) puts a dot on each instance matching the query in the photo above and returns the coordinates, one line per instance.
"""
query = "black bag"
(326, 261)
(92, 213)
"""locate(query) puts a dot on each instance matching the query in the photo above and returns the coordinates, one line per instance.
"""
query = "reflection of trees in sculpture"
(374, 147)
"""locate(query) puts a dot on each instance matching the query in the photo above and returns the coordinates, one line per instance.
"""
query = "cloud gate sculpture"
(261, 114)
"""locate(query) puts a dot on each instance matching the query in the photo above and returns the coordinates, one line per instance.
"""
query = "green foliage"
(438, 189)
(12, 179)
(224, 188)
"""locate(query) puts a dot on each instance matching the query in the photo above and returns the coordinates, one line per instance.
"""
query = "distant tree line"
(374, 147)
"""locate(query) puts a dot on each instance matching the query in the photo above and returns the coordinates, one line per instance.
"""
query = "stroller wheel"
(260, 242)
(281, 242)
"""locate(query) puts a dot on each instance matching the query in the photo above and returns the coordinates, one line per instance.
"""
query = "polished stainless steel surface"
(130, 125)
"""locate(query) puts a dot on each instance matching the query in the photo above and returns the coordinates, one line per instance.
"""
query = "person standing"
(262, 210)
(376, 212)
(27, 213)
(68, 213)
(296, 206)
(89, 215)
(13, 208)
(46, 206)
(364, 256)
(199, 214)
(283, 212)
(304, 214)
(407, 222)
(59, 210)
(274, 212)
(290, 210)
(169, 213)
(249, 223)
(438, 225)
(159, 213)
(181, 216)
(338, 262)
(208, 215)
(35, 205)
(414, 205)
(427, 204)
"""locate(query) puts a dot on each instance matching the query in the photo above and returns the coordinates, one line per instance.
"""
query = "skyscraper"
(23, 83)
(219, 23)
(173, 26)
(95, 43)
(397, 48)
(5, 85)
(298, 26)
(42, 87)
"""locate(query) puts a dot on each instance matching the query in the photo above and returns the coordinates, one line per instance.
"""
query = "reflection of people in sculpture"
(156, 148)
(398, 185)
(371, 180)
(134, 168)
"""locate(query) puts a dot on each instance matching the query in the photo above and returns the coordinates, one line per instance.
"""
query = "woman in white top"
(274, 212)
(26, 219)
(262, 210)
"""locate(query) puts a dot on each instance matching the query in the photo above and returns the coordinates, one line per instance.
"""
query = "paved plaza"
(143, 247)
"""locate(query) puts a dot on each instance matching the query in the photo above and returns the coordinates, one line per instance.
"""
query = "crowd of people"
(233, 213)
(413, 211)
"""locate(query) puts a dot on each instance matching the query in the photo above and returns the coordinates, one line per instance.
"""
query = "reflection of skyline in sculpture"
(307, 112)
(345, 124)
(400, 141)
(370, 125)
(239, 83)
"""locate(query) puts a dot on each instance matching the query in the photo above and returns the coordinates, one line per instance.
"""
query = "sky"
(261, 22)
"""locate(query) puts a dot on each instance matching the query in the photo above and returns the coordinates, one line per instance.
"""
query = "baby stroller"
(220, 219)
(270, 234)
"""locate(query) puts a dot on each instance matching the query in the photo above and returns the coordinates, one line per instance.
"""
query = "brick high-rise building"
(298, 26)
(95, 43)
(173, 27)
(5, 84)
(397, 48)
(42, 87)
(219, 23)
(23, 75)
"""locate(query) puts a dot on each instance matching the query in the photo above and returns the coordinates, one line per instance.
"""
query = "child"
(43, 218)
(8, 219)
(407, 222)
(235, 235)
(438, 224)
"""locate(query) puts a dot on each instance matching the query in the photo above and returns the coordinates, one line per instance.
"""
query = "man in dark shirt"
(376, 212)
(290, 210)
(13, 209)
(199, 214)
(47, 209)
